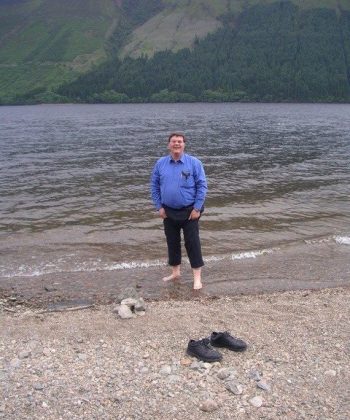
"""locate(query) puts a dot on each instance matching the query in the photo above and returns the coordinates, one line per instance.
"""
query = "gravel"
(91, 364)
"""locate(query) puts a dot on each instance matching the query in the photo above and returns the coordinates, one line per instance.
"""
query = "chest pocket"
(187, 179)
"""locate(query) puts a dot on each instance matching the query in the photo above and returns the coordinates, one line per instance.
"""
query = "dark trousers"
(172, 230)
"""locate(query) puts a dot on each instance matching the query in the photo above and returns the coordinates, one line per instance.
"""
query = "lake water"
(74, 183)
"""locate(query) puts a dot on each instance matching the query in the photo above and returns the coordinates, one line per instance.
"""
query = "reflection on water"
(74, 182)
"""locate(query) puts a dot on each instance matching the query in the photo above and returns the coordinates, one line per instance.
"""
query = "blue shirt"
(178, 184)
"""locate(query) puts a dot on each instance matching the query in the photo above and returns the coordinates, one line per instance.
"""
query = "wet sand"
(290, 268)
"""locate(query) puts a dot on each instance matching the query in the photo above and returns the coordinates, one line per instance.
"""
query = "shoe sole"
(203, 359)
(229, 348)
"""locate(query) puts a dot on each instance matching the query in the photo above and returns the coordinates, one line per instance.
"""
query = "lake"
(74, 184)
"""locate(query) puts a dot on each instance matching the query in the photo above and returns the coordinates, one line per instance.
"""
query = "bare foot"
(171, 277)
(197, 285)
(197, 279)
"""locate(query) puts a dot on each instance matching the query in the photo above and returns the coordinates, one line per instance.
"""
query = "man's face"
(176, 145)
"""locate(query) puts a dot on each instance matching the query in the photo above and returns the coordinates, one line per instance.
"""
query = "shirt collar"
(180, 160)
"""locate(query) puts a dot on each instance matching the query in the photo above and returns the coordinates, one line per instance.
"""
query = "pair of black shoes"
(203, 351)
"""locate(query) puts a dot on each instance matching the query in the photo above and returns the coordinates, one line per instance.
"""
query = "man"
(178, 187)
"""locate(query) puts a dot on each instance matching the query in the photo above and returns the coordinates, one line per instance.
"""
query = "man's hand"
(195, 214)
(162, 213)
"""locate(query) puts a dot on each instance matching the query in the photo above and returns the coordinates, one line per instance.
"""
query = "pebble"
(130, 302)
(256, 401)
(140, 305)
(38, 386)
(209, 406)
(195, 365)
(125, 312)
(207, 366)
(263, 385)
(15, 363)
(255, 375)
(234, 387)
(331, 372)
(24, 354)
(185, 362)
(165, 370)
(223, 373)
(46, 352)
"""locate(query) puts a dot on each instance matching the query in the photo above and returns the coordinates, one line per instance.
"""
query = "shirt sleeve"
(201, 185)
(155, 187)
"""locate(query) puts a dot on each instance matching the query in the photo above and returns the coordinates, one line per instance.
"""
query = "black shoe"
(224, 339)
(202, 350)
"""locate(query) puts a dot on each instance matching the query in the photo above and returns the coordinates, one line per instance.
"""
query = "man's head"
(176, 144)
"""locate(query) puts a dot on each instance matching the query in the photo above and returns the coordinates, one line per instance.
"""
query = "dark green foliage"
(273, 52)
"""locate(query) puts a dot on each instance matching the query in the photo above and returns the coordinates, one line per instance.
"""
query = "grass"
(22, 78)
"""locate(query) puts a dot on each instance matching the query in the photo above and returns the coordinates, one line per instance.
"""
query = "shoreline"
(287, 269)
(92, 364)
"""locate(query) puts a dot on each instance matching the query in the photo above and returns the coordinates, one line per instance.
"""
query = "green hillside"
(174, 50)
(268, 52)
(45, 42)
(180, 22)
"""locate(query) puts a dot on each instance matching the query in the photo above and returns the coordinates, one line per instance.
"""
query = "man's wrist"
(198, 211)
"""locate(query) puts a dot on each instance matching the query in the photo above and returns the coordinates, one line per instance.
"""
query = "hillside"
(174, 50)
(45, 42)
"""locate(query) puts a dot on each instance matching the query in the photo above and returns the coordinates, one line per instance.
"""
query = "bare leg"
(197, 279)
(174, 275)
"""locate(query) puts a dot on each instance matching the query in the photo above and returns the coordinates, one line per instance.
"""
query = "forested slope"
(274, 52)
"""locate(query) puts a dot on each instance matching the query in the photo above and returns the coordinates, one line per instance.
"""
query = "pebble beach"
(88, 363)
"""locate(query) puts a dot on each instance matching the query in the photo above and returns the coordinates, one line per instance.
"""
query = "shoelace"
(206, 342)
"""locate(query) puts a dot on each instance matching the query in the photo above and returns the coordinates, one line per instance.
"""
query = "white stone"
(207, 366)
(223, 373)
(330, 372)
(24, 354)
(256, 401)
(165, 370)
(234, 387)
(15, 363)
(130, 302)
(46, 352)
(209, 406)
(125, 312)
(263, 385)
(140, 305)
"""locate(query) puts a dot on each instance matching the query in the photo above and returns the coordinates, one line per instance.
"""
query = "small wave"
(342, 240)
(251, 254)
(60, 266)
(317, 241)
(51, 268)
(214, 258)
